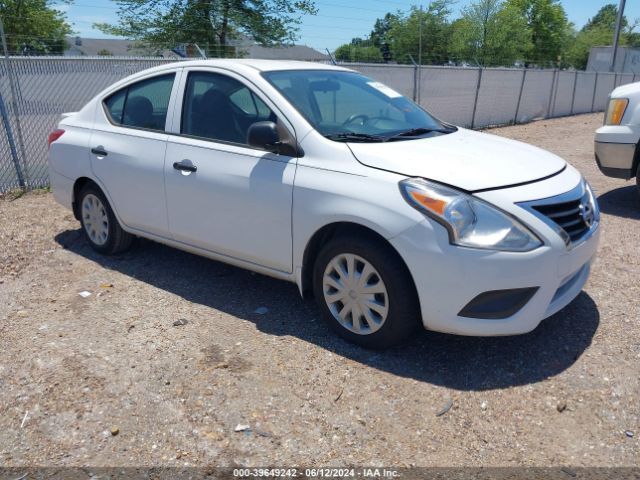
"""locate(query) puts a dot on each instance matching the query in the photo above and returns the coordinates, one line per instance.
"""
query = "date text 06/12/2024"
(315, 473)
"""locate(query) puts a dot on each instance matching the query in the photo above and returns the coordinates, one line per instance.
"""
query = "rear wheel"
(99, 224)
(365, 292)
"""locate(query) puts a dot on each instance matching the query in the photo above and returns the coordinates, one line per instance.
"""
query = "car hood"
(465, 159)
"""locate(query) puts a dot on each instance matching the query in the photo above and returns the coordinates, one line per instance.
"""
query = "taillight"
(55, 135)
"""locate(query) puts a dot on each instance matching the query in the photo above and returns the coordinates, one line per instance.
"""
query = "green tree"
(606, 18)
(577, 54)
(490, 33)
(211, 24)
(34, 27)
(404, 36)
(381, 29)
(548, 27)
(598, 31)
(631, 38)
(369, 49)
(358, 53)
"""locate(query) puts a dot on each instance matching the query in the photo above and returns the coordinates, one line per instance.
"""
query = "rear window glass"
(143, 104)
(115, 104)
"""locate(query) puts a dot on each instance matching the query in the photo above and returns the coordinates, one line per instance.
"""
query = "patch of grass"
(16, 193)
(12, 195)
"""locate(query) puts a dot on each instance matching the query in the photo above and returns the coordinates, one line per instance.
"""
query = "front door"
(222, 195)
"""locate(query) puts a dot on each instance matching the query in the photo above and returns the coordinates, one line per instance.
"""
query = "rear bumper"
(616, 159)
(62, 188)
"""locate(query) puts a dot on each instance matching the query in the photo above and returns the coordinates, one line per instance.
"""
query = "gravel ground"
(108, 380)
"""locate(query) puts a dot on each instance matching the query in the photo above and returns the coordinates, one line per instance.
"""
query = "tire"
(99, 224)
(388, 288)
(638, 179)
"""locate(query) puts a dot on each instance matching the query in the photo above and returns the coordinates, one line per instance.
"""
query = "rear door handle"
(99, 151)
(187, 167)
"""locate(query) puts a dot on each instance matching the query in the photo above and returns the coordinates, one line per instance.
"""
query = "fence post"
(573, 95)
(14, 103)
(524, 76)
(475, 102)
(595, 89)
(12, 144)
(419, 89)
(555, 94)
(415, 79)
(553, 83)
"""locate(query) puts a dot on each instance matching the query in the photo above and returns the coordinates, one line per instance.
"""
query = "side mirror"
(264, 135)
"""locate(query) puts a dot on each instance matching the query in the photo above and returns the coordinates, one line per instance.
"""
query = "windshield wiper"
(415, 132)
(354, 137)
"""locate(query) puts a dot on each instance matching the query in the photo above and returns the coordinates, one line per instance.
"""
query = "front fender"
(325, 197)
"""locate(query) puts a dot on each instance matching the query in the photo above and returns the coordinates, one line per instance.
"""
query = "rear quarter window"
(143, 104)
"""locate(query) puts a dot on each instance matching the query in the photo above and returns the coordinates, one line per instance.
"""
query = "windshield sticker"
(382, 88)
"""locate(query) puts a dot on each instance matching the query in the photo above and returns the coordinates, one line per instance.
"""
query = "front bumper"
(616, 159)
(615, 150)
(448, 277)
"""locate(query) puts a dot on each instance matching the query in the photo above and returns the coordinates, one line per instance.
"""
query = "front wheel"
(365, 292)
(99, 224)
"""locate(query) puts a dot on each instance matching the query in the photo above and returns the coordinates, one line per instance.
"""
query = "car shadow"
(462, 363)
(621, 202)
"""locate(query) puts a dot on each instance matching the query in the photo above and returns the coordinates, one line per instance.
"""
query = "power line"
(191, 15)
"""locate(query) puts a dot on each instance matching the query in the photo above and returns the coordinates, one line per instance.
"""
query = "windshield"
(347, 106)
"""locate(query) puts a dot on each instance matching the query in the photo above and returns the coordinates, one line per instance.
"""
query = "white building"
(627, 60)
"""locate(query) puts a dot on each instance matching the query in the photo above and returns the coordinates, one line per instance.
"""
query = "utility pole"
(616, 35)
(420, 38)
(420, 55)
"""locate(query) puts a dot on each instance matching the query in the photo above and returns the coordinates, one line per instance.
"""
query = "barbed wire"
(242, 50)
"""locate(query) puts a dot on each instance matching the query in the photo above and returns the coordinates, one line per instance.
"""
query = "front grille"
(568, 216)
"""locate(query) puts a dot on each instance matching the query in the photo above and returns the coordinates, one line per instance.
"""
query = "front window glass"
(349, 106)
(218, 107)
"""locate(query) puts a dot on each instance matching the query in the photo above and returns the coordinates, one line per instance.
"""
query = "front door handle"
(186, 167)
(99, 151)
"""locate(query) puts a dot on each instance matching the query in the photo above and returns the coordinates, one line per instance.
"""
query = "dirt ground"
(108, 380)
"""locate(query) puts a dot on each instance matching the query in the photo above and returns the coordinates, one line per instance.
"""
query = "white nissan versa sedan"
(321, 176)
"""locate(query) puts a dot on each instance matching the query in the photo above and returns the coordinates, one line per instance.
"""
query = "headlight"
(471, 222)
(615, 111)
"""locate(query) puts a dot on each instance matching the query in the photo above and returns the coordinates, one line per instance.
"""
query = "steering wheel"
(363, 119)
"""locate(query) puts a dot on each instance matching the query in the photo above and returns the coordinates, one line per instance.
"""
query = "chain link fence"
(35, 91)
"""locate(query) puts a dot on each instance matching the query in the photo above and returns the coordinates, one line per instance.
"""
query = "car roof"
(262, 65)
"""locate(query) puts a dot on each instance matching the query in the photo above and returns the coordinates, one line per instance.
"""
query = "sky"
(336, 22)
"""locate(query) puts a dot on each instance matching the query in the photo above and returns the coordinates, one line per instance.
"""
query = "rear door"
(237, 200)
(128, 146)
